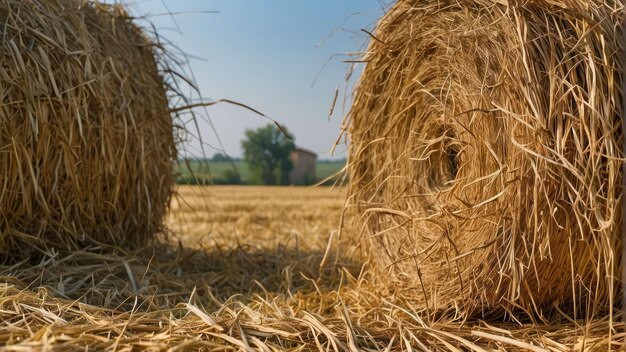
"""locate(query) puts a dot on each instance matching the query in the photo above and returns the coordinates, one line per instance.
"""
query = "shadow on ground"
(166, 275)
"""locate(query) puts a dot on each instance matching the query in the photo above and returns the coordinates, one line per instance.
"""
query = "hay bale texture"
(485, 147)
(87, 146)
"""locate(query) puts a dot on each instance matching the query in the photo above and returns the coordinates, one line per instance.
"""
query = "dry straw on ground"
(248, 279)
(485, 155)
(87, 146)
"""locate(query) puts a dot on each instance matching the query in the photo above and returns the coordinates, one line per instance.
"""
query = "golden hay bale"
(87, 146)
(485, 146)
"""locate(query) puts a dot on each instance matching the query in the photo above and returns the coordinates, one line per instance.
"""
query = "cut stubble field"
(244, 268)
(255, 215)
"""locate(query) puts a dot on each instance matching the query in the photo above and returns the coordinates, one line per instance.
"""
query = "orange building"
(304, 162)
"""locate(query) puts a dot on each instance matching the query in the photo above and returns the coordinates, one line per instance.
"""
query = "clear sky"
(265, 53)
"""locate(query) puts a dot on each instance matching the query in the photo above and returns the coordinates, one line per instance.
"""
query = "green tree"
(267, 151)
(219, 157)
(231, 177)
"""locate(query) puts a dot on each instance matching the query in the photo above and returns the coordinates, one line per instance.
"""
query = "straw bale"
(485, 146)
(87, 146)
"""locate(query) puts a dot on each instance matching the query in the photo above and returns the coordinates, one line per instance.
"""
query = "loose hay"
(255, 286)
(485, 148)
(87, 146)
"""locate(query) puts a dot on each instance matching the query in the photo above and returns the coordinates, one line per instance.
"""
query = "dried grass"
(256, 286)
(486, 152)
(86, 138)
(263, 270)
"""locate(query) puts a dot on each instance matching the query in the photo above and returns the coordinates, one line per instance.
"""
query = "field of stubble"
(243, 269)
(265, 218)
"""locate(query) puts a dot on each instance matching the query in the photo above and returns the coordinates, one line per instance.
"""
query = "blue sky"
(263, 53)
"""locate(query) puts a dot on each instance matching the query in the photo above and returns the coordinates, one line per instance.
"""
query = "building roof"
(305, 151)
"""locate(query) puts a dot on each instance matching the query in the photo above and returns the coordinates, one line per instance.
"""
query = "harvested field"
(242, 270)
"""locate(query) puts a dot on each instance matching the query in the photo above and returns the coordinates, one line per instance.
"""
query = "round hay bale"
(87, 146)
(485, 147)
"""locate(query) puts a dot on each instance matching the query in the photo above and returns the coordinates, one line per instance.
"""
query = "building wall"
(303, 171)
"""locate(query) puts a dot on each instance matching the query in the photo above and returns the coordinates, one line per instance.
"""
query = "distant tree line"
(222, 158)
(333, 161)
